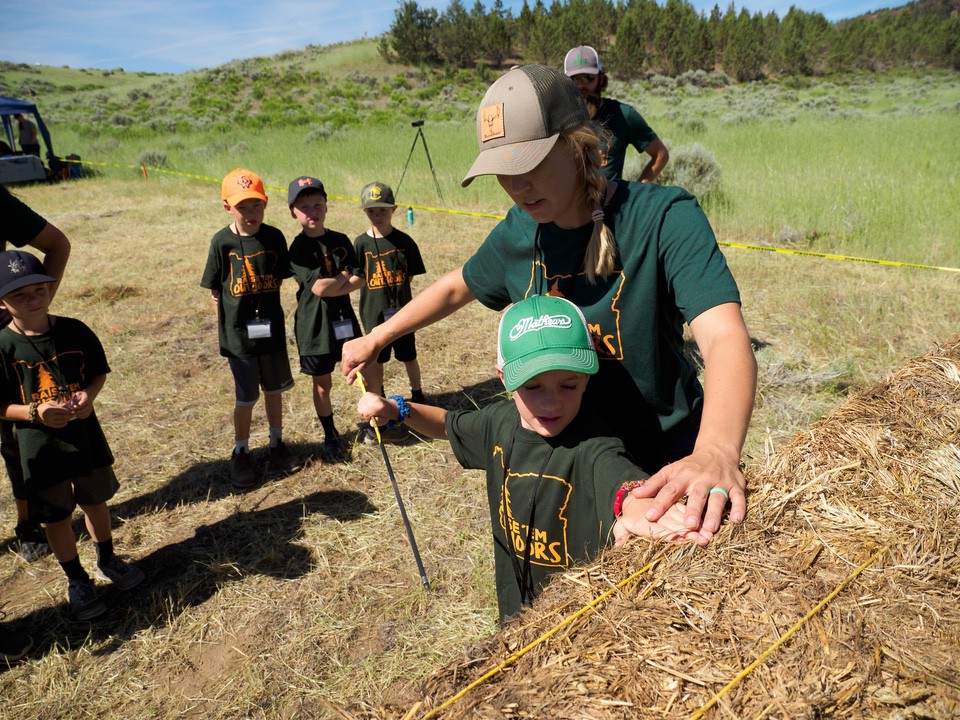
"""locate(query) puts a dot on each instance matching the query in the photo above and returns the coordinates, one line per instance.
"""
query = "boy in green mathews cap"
(558, 482)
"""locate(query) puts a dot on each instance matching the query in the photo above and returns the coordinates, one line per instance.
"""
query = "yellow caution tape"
(493, 216)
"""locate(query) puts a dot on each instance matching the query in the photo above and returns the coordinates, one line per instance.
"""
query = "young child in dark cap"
(558, 483)
(51, 370)
(389, 258)
(247, 262)
(323, 262)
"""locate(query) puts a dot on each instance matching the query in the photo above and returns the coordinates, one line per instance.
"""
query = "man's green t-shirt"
(313, 258)
(247, 271)
(40, 368)
(551, 502)
(669, 270)
(620, 127)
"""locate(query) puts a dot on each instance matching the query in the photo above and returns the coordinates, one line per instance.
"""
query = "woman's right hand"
(356, 354)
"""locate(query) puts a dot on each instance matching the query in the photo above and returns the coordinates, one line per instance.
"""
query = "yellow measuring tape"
(783, 638)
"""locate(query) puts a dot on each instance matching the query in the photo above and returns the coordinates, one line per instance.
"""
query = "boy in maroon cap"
(323, 262)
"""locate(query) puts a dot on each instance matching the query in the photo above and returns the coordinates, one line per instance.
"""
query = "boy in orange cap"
(247, 262)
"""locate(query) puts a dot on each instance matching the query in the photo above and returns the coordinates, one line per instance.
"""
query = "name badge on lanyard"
(343, 329)
(258, 329)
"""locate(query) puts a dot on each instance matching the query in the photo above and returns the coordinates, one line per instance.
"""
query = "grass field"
(301, 598)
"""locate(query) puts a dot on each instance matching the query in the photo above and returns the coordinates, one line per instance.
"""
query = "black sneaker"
(84, 603)
(417, 396)
(283, 459)
(242, 476)
(13, 645)
(33, 541)
(331, 450)
(368, 436)
(392, 432)
(124, 576)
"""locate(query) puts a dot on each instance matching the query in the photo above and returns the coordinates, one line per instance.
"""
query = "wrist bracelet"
(33, 414)
(402, 408)
(622, 493)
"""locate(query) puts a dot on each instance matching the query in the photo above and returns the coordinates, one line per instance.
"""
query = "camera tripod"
(418, 124)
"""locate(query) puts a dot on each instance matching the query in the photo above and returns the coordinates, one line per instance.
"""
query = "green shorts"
(57, 502)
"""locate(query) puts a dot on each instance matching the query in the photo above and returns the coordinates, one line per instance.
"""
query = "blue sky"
(178, 35)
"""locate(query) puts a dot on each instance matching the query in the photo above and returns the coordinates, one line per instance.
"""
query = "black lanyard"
(393, 291)
(522, 573)
(249, 277)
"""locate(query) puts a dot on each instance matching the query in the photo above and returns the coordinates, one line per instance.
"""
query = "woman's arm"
(729, 386)
(56, 250)
(443, 297)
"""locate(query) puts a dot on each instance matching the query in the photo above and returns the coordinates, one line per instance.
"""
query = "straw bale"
(838, 598)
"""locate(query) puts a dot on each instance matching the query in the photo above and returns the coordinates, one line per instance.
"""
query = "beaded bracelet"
(33, 412)
(622, 493)
(402, 408)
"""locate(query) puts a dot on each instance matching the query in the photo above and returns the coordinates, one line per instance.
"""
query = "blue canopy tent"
(15, 167)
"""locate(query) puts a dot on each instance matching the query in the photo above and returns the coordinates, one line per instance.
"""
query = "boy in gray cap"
(51, 371)
(389, 258)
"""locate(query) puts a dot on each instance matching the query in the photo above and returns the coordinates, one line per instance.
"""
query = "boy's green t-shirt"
(40, 368)
(386, 264)
(313, 258)
(247, 272)
(567, 484)
(669, 270)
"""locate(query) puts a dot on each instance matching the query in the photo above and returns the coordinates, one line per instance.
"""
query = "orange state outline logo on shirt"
(606, 336)
(544, 550)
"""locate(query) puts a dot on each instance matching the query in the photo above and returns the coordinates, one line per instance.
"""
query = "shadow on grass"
(188, 573)
(210, 481)
(203, 482)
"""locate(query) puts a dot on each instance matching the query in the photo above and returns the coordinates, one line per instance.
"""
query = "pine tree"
(411, 38)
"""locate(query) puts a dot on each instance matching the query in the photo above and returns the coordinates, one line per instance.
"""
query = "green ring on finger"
(721, 491)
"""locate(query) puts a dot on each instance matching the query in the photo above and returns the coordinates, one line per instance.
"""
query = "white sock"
(241, 446)
(276, 435)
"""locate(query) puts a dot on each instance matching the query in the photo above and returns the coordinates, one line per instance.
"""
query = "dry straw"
(838, 598)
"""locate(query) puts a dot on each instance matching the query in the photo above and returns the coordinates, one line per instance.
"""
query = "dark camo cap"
(376, 194)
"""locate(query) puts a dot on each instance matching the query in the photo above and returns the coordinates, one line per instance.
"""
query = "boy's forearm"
(14, 413)
(427, 420)
(342, 284)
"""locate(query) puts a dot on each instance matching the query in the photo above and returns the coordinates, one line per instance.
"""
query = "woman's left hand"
(709, 481)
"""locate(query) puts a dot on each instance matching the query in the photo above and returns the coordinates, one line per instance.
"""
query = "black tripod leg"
(433, 172)
(396, 191)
